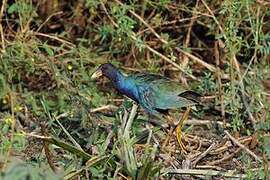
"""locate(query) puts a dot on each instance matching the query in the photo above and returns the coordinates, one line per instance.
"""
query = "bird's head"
(107, 70)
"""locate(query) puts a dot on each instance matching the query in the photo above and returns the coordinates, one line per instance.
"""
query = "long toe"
(179, 130)
(183, 148)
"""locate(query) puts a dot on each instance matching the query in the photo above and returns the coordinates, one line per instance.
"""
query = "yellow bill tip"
(96, 74)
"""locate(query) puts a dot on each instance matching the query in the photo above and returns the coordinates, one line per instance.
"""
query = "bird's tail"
(191, 95)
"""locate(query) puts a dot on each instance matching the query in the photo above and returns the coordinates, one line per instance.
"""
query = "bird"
(155, 93)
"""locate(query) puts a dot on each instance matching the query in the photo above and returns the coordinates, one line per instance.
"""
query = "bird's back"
(158, 93)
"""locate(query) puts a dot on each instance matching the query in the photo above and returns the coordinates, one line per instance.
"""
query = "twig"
(168, 60)
(228, 144)
(67, 43)
(225, 158)
(242, 146)
(48, 155)
(4, 2)
(106, 12)
(165, 143)
(187, 38)
(206, 122)
(169, 23)
(47, 151)
(209, 167)
(48, 18)
(242, 90)
(229, 174)
(102, 108)
(69, 136)
(123, 176)
(218, 74)
(202, 155)
(199, 61)
(214, 17)
(144, 22)
(195, 122)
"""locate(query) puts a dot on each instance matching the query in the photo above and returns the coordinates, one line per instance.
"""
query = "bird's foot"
(179, 131)
(183, 148)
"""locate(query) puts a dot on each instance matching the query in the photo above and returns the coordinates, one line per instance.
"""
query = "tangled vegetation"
(56, 123)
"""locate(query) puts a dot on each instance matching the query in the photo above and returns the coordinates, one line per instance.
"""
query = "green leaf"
(13, 8)
(48, 50)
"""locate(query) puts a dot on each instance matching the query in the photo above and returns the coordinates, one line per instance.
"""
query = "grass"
(55, 121)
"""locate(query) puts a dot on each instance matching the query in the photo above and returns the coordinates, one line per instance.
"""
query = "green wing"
(157, 92)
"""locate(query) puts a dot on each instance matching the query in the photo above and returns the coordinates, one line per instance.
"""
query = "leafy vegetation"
(56, 123)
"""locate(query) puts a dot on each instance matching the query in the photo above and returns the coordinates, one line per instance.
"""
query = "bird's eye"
(106, 67)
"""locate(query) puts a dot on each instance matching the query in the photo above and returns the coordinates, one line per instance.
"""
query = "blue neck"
(122, 83)
(128, 87)
(125, 86)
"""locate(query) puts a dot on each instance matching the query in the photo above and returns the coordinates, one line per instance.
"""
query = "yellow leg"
(179, 130)
(170, 133)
